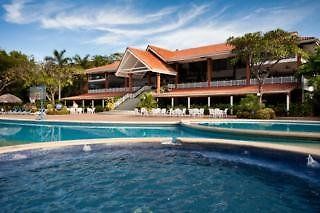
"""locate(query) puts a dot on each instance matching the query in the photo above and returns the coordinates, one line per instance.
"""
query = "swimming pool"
(13, 132)
(269, 126)
(157, 178)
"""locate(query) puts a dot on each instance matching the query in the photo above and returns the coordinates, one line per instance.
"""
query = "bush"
(62, 111)
(248, 107)
(304, 109)
(147, 101)
(266, 113)
(271, 113)
(99, 108)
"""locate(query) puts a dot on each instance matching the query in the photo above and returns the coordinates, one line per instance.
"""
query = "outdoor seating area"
(80, 110)
(192, 112)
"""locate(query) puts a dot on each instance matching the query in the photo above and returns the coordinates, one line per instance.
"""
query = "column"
(189, 103)
(247, 73)
(231, 104)
(209, 70)
(172, 102)
(82, 103)
(149, 78)
(288, 102)
(209, 100)
(106, 82)
(65, 102)
(130, 82)
(158, 82)
(177, 76)
(102, 103)
(92, 103)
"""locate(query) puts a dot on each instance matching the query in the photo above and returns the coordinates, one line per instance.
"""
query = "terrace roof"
(93, 96)
(105, 68)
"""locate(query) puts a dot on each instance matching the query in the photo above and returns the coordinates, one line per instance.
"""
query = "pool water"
(156, 179)
(269, 126)
(22, 132)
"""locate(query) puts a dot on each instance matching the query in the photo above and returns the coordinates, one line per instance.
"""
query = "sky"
(37, 27)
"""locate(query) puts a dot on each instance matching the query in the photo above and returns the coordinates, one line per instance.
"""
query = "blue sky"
(37, 27)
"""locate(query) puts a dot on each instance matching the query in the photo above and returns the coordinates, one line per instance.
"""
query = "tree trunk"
(260, 92)
(59, 95)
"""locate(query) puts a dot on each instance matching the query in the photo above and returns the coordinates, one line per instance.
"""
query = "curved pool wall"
(282, 126)
(13, 132)
(158, 177)
(264, 128)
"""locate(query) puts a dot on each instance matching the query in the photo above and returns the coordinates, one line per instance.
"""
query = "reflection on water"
(6, 131)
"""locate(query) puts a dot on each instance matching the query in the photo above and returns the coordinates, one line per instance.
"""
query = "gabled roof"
(105, 68)
(141, 61)
(152, 62)
(191, 53)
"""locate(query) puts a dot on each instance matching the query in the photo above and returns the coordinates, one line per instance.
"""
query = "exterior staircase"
(131, 100)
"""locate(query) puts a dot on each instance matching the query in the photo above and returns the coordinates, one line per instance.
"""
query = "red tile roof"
(94, 96)
(102, 69)
(152, 62)
(228, 90)
(191, 53)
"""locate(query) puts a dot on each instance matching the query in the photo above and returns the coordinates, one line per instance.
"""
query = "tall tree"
(99, 60)
(262, 51)
(311, 71)
(60, 62)
(82, 62)
(14, 67)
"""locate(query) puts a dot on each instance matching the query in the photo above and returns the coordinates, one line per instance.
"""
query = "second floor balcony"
(224, 83)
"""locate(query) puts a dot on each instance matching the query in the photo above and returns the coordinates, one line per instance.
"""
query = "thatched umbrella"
(9, 99)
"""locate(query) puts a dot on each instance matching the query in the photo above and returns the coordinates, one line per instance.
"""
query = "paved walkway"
(104, 117)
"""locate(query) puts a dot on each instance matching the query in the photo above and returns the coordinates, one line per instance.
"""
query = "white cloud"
(13, 11)
(179, 27)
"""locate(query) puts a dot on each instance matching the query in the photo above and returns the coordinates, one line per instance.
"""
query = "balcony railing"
(276, 80)
(118, 89)
(272, 80)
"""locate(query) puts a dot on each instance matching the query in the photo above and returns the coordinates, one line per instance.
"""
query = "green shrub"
(304, 109)
(110, 104)
(147, 101)
(50, 107)
(99, 108)
(248, 106)
(271, 112)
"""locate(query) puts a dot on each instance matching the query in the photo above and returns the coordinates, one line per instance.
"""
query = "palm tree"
(61, 61)
(82, 62)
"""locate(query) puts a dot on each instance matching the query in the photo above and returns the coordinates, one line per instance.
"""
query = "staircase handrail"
(131, 95)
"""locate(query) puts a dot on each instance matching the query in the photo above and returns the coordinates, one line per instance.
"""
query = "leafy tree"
(59, 62)
(47, 74)
(99, 60)
(115, 57)
(311, 71)
(262, 51)
(14, 67)
(82, 62)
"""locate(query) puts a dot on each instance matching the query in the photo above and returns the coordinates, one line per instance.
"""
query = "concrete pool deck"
(101, 118)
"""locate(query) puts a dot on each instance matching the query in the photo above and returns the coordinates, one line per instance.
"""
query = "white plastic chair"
(201, 112)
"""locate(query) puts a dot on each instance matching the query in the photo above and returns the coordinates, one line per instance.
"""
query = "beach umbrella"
(9, 99)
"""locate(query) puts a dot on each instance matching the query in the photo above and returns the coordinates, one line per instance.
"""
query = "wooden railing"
(118, 89)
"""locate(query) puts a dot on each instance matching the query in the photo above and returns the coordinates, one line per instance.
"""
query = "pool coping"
(161, 140)
(282, 134)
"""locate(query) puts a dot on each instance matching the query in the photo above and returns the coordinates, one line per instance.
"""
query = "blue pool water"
(21, 132)
(269, 126)
(145, 178)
